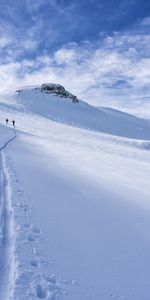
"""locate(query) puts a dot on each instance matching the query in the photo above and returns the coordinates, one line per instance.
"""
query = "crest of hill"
(55, 89)
(54, 102)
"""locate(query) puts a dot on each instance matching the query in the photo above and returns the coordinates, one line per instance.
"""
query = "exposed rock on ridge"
(56, 89)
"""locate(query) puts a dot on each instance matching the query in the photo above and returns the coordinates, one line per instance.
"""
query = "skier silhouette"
(13, 122)
(6, 121)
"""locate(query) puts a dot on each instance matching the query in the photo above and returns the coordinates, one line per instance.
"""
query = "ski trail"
(7, 232)
(8, 141)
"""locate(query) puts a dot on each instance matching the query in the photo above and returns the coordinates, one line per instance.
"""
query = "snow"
(77, 197)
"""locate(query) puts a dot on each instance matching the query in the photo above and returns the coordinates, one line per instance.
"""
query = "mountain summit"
(55, 89)
(56, 103)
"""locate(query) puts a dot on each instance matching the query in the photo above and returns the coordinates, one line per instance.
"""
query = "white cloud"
(4, 41)
(116, 72)
(30, 44)
(65, 56)
(9, 75)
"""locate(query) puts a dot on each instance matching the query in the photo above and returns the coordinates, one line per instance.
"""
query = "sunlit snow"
(74, 200)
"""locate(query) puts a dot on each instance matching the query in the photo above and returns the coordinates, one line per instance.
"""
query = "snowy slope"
(75, 181)
(83, 115)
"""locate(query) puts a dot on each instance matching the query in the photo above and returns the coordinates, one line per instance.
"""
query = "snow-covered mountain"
(54, 102)
(74, 199)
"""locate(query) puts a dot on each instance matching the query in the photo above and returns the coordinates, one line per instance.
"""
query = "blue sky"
(98, 49)
(53, 23)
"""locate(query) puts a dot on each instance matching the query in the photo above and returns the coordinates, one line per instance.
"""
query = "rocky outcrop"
(57, 89)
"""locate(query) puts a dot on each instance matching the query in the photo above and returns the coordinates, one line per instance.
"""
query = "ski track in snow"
(41, 286)
(37, 285)
(32, 281)
(24, 274)
(7, 236)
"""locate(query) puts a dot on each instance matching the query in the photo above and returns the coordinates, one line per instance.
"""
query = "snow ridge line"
(7, 232)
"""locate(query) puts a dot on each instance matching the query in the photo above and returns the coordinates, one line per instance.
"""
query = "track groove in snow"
(7, 237)
(80, 194)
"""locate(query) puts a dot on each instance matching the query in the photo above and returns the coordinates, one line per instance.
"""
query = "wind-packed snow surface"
(74, 200)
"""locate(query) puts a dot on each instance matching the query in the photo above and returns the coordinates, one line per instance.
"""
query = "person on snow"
(13, 122)
(6, 121)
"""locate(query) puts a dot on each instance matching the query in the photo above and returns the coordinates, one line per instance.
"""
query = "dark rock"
(57, 89)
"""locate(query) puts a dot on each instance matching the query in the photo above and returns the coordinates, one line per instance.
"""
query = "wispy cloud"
(112, 70)
(116, 72)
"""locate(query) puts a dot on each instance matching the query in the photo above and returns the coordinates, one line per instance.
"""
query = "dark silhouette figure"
(13, 122)
(6, 121)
